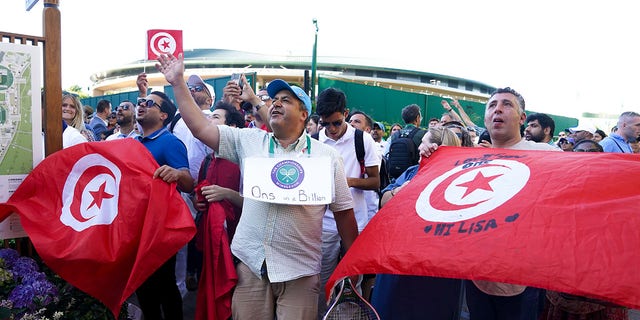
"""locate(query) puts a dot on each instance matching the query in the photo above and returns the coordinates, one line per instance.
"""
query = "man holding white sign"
(277, 241)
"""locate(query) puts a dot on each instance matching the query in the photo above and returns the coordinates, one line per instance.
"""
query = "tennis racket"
(349, 305)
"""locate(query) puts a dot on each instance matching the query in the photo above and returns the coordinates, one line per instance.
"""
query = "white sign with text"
(296, 181)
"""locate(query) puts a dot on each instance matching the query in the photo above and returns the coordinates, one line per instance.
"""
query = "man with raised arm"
(278, 244)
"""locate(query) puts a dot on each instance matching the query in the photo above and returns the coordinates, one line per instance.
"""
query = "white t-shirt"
(346, 147)
(196, 150)
(72, 136)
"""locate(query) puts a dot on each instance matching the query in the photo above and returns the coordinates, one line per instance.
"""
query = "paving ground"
(189, 308)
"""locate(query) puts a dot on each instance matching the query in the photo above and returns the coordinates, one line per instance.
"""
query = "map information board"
(21, 140)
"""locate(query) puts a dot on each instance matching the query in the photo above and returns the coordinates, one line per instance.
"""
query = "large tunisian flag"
(564, 221)
(98, 218)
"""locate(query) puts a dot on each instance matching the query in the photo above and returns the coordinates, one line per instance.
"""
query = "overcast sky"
(565, 57)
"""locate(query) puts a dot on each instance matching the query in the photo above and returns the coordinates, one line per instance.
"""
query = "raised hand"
(171, 67)
(445, 105)
(143, 84)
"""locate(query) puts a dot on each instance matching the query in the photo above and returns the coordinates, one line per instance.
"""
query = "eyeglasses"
(124, 107)
(586, 150)
(196, 88)
(112, 116)
(265, 97)
(336, 123)
(148, 103)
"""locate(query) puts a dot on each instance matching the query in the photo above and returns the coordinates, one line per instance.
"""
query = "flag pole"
(314, 62)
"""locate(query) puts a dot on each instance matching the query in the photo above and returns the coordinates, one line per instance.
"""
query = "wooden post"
(52, 105)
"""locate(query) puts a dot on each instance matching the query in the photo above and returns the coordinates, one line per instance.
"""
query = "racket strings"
(351, 310)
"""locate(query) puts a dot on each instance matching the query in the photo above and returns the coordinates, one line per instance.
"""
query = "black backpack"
(175, 120)
(359, 145)
(385, 179)
(403, 153)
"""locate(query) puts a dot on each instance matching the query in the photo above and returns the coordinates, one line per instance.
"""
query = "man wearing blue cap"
(278, 244)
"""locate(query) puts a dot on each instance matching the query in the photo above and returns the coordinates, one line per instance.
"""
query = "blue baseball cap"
(278, 85)
(379, 125)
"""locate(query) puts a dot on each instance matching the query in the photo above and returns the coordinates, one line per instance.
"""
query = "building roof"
(210, 63)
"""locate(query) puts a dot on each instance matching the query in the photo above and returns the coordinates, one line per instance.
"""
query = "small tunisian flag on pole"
(98, 218)
(563, 221)
(163, 42)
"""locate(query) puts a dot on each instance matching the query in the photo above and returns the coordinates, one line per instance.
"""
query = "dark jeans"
(482, 306)
(194, 258)
(160, 295)
(416, 297)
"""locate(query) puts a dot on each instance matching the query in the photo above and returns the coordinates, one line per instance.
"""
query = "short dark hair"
(484, 136)
(544, 120)
(102, 105)
(597, 145)
(246, 106)
(166, 106)
(369, 120)
(513, 92)
(330, 101)
(315, 117)
(233, 116)
(601, 133)
(434, 119)
(410, 113)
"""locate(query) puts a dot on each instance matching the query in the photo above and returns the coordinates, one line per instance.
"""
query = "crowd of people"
(276, 258)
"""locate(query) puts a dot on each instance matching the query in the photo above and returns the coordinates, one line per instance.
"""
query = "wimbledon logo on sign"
(287, 174)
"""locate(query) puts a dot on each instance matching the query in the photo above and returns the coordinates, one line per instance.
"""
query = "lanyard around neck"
(272, 145)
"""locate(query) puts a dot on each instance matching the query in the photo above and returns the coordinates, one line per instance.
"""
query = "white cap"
(583, 127)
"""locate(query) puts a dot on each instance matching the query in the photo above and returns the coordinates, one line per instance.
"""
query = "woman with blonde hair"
(73, 115)
(443, 136)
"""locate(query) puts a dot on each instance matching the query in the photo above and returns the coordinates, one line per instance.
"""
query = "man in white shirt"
(336, 132)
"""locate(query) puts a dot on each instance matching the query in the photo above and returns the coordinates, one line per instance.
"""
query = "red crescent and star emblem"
(90, 194)
(463, 193)
(162, 42)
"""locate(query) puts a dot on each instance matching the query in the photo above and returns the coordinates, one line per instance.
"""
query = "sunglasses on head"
(336, 123)
(148, 103)
(196, 88)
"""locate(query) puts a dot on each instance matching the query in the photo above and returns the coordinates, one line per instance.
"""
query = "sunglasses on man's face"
(124, 107)
(148, 103)
(196, 88)
(336, 123)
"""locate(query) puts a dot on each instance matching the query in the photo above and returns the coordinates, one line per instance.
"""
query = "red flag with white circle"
(160, 41)
(564, 221)
(99, 219)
